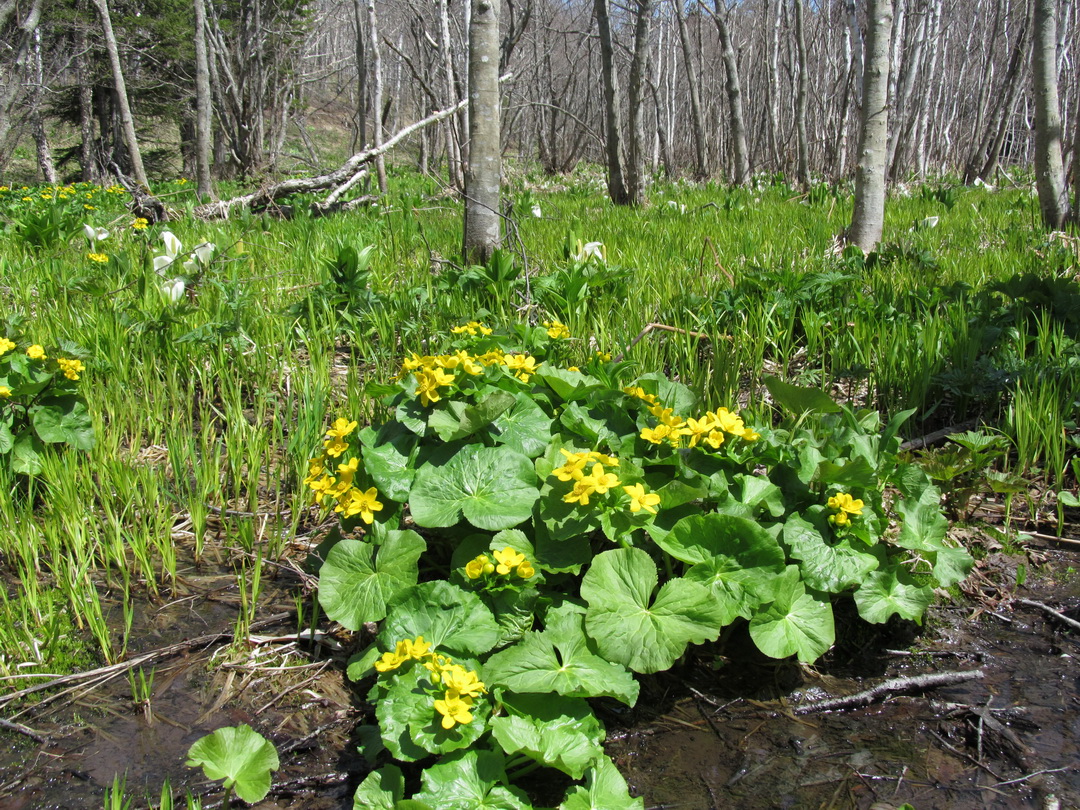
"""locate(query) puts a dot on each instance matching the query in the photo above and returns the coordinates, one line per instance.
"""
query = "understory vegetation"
(522, 484)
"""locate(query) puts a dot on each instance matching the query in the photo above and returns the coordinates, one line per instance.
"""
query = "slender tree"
(1049, 172)
(484, 174)
(612, 116)
(203, 185)
(868, 216)
(127, 121)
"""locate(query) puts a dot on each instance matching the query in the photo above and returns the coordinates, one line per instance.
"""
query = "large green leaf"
(559, 660)
(632, 628)
(26, 453)
(65, 419)
(388, 459)
(471, 780)
(671, 394)
(452, 620)
(524, 428)
(568, 385)
(576, 418)
(830, 568)
(558, 731)
(698, 538)
(460, 419)
(795, 623)
(800, 400)
(604, 789)
(239, 755)
(358, 579)
(494, 487)
(411, 727)
(923, 524)
(884, 593)
(7, 440)
(380, 790)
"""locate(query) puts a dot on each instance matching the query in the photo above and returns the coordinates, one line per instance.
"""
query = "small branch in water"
(1050, 612)
(917, 683)
(26, 731)
(965, 755)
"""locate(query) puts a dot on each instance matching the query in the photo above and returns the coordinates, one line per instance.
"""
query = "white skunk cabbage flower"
(95, 234)
(173, 289)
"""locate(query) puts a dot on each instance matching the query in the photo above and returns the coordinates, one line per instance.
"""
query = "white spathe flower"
(172, 250)
(202, 255)
(678, 206)
(536, 210)
(173, 289)
(95, 234)
(589, 250)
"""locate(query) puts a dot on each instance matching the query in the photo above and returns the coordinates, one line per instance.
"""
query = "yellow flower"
(389, 661)
(715, 439)
(461, 681)
(583, 488)
(342, 428)
(471, 328)
(71, 367)
(90, 207)
(140, 224)
(335, 447)
(556, 330)
(35, 352)
(100, 258)
(845, 504)
(5, 392)
(454, 710)
(525, 570)
(360, 503)
(640, 499)
(604, 481)
(6, 346)
(479, 566)
(507, 560)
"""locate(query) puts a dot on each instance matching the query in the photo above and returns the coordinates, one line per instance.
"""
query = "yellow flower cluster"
(5, 392)
(139, 224)
(711, 429)
(6, 346)
(595, 480)
(556, 330)
(72, 368)
(349, 499)
(472, 328)
(433, 372)
(507, 563)
(100, 258)
(36, 352)
(460, 687)
(844, 505)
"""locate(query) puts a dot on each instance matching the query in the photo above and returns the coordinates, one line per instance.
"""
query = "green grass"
(216, 403)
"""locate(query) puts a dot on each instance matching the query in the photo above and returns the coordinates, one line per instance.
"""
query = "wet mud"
(721, 731)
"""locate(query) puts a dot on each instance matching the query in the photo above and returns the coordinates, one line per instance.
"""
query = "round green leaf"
(557, 731)
(450, 619)
(241, 756)
(604, 789)
(355, 585)
(493, 487)
(830, 568)
(794, 623)
(471, 780)
(631, 628)
(884, 593)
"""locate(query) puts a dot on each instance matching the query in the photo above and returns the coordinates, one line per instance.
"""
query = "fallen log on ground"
(916, 683)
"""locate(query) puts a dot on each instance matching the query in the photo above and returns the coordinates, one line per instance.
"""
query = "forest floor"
(723, 730)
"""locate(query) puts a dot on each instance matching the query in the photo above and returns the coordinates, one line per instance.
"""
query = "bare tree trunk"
(800, 97)
(484, 175)
(453, 143)
(87, 153)
(377, 94)
(37, 126)
(635, 152)
(612, 119)
(697, 120)
(127, 122)
(204, 188)
(361, 78)
(740, 152)
(12, 82)
(1049, 173)
(868, 216)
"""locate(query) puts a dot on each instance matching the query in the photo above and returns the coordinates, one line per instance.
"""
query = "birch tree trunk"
(635, 152)
(868, 216)
(127, 122)
(377, 94)
(802, 64)
(203, 186)
(612, 117)
(1049, 172)
(697, 120)
(484, 174)
(740, 153)
(11, 80)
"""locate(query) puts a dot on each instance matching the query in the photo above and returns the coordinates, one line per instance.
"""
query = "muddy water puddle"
(1008, 740)
(718, 733)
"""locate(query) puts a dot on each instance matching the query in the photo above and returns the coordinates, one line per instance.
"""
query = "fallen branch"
(916, 683)
(111, 671)
(938, 435)
(659, 327)
(1050, 612)
(26, 731)
(341, 179)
